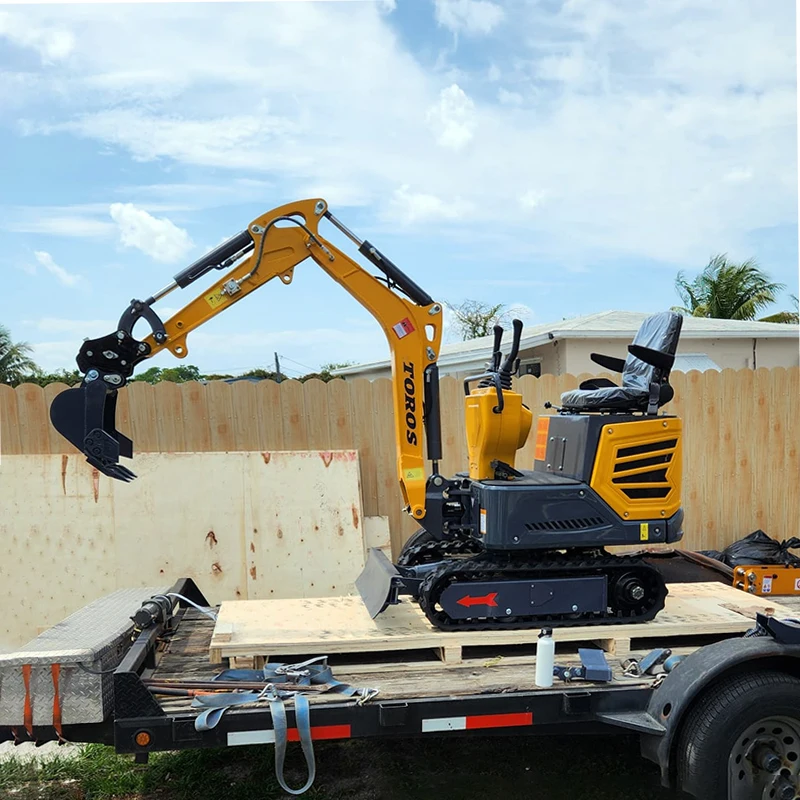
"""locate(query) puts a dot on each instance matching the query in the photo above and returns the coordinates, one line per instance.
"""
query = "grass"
(474, 768)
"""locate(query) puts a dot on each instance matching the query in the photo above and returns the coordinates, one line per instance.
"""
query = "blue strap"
(303, 719)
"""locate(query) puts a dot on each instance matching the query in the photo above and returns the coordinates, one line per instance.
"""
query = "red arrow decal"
(486, 600)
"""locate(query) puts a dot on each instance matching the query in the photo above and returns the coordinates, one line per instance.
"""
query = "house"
(562, 347)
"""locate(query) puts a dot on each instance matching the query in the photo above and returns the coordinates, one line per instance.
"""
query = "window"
(531, 367)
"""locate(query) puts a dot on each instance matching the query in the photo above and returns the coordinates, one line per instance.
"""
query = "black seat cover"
(658, 332)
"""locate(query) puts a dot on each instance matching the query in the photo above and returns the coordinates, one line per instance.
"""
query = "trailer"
(722, 724)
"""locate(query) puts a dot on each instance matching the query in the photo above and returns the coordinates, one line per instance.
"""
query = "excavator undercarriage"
(500, 546)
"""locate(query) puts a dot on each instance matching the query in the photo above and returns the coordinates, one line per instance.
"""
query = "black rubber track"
(486, 567)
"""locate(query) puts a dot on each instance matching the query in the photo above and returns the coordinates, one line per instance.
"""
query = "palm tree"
(15, 362)
(789, 317)
(727, 290)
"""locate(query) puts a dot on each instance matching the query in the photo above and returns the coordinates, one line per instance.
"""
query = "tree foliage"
(728, 290)
(15, 360)
(179, 374)
(474, 318)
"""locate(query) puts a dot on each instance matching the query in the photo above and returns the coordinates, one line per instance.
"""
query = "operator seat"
(645, 372)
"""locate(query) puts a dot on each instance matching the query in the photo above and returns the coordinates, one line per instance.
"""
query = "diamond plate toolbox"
(88, 645)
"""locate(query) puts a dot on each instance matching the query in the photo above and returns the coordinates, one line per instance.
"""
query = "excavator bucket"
(85, 416)
(379, 583)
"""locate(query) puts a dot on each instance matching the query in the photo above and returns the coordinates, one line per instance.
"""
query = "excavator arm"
(272, 246)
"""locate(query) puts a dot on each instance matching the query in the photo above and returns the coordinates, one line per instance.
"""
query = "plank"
(390, 503)
(315, 404)
(169, 421)
(342, 625)
(340, 425)
(268, 399)
(361, 414)
(220, 416)
(245, 418)
(194, 402)
(33, 419)
(293, 414)
(142, 410)
(9, 421)
(58, 444)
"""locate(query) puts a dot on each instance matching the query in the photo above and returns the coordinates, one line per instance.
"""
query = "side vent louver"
(565, 524)
(633, 476)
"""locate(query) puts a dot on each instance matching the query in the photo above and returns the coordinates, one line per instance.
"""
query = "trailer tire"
(722, 723)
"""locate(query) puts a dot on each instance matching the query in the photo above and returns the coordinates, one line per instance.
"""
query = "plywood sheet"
(242, 524)
(304, 526)
(342, 625)
(57, 540)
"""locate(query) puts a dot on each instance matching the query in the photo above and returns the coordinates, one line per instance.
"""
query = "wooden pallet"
(250, 630)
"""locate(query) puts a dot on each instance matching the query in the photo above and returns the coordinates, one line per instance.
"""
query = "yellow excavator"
(499, 546)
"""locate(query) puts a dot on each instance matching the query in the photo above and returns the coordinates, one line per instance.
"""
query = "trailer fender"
(683, 686)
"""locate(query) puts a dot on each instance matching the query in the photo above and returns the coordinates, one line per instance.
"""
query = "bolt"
(508, 611)
(120, 335)
(611, 430)
(784, 790)
(581, 493)
(92, 375)
(574, 607)
(437, 481)
(434, 309)
(142, 347)
(766, 758)
(637, 592)
(319, 207)
(664, 424)
(516, 539)
(751, 576)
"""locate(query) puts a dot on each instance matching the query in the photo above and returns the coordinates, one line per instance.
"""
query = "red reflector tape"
(321, 732)
(476, 721)
(499, 720)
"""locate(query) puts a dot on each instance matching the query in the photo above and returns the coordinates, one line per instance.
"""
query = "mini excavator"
(499, 546)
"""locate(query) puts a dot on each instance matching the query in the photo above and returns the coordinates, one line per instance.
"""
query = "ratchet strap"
(315, 671)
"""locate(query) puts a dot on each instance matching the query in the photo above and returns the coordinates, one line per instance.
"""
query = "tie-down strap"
(313, 672)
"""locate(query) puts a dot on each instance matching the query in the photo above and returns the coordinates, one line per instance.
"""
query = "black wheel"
(742, 740)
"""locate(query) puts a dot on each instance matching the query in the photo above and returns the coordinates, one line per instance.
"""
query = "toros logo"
(410, 388)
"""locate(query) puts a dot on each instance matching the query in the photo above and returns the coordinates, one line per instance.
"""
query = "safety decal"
(644, 532)
(797, 585)
(403, 328)
(766, 584)
(215, 299)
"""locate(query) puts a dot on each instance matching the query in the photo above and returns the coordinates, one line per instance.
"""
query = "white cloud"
(468, 16)
(646, 108)
(739, 175)
(52, 44)
(411, 207)
(532, 199)
(61, 225)
(453, 118)
(64, 277)
(158, 238)
(508, 98)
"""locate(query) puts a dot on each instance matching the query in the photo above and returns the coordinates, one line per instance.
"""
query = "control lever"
(509, 365)
(496, 354)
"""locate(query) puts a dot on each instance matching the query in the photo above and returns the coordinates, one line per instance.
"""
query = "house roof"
(604, 324)
(685, 362)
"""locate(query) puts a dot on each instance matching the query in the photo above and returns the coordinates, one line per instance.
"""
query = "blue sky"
(566, 156)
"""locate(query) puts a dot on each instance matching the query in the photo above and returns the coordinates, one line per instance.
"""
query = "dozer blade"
(85, 416)
(379, 583)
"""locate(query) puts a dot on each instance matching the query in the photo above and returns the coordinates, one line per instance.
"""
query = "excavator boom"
(271, 247)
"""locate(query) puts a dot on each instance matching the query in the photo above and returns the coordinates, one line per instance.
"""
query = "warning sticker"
(215, 299)
(416, 474)
(483, 520)
(797, 585)
(403, 328)
(644, 532)
(766, 584)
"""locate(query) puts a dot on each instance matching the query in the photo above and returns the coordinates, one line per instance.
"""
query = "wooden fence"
(741, 468)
